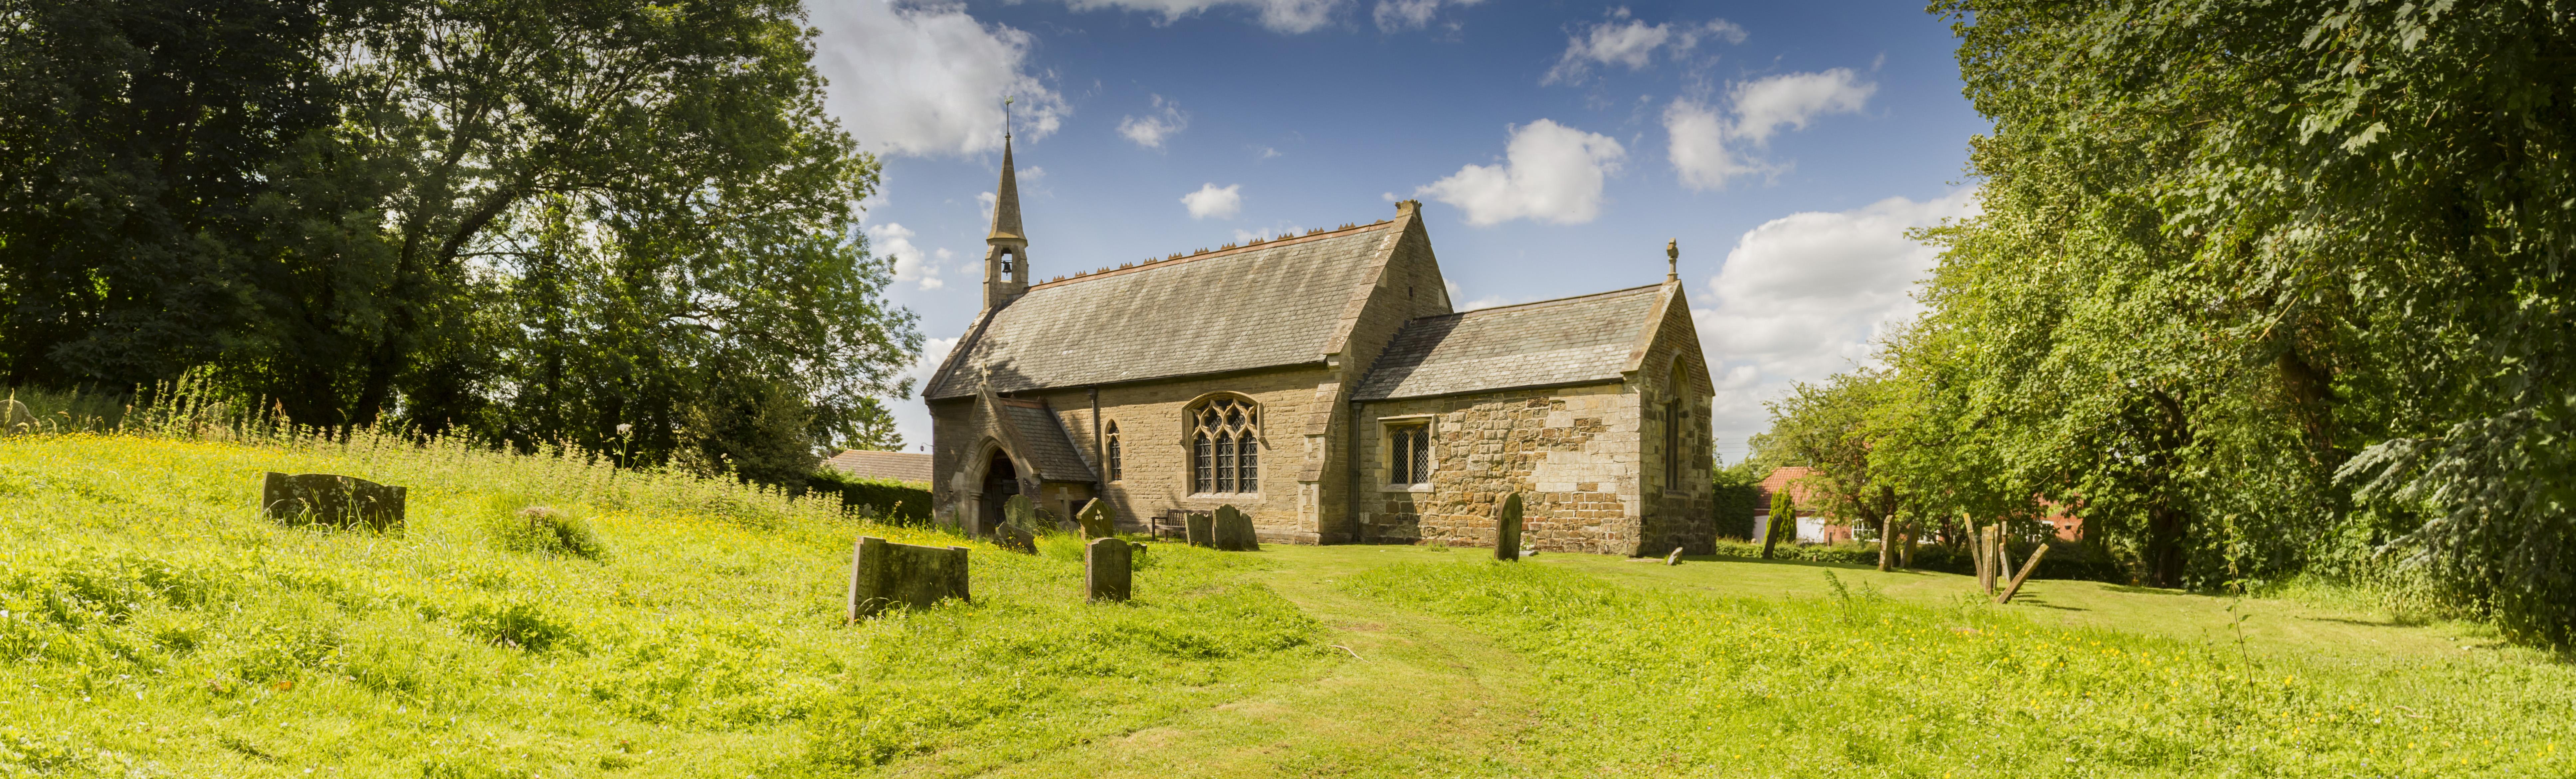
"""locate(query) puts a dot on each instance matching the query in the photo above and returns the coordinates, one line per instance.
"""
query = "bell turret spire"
(1006, 258)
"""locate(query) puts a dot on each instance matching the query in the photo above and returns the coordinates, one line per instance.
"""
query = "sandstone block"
(327, 499)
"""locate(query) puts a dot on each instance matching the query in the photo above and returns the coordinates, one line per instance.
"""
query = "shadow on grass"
(1775, 561)
(2137, 590)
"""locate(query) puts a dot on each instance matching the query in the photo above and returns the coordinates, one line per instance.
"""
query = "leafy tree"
(1828, 427)
(2230, 251)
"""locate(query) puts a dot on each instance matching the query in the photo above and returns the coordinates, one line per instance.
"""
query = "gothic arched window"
(1225, 446)
(1115, 471)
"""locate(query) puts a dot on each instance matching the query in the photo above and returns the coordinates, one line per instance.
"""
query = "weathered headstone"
(1109, 568)
(15, 418)
(328, 499)
(885, 575)
(1019, 511)
(1015, 538)
(1234, 531)
(1098, 521)
(1507, 529)
(2027, 569)
(1201, 529)
(1675, 558)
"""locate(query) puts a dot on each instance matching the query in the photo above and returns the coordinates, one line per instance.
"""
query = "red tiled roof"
(904, 466)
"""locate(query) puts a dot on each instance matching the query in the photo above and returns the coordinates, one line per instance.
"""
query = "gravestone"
(1233, 531)
(1507, 529)
(328, 499)
(1201, 529)
(1019, 511)
(15, 418)
(885, 575)
(1015, 538)
(1675, 558)
(1109, 568)
(1098, 521)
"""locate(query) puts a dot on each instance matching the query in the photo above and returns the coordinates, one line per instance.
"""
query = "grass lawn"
(154, 625)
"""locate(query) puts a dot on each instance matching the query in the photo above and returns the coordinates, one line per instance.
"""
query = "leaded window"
(1115, 471)
(1409, 453)
(1225, 442)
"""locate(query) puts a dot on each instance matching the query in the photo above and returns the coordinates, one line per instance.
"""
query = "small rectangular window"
(1409, 453)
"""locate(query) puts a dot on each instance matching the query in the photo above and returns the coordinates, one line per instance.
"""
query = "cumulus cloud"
(1401, 15)
(910, 263)
(1807, 295)
(1150, 130)
(1791, 100)
(1550, 173)
(1213, 201)
(1707, 148)
(927, 79)
(1288, 16)
(1627, 41)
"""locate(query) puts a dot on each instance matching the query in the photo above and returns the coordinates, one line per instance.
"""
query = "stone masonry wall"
(1572, 452)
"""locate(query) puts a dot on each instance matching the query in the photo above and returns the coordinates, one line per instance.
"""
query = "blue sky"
(1556, 146)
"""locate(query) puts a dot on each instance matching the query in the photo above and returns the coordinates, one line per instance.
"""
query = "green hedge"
(890, 501)
(2064, 560)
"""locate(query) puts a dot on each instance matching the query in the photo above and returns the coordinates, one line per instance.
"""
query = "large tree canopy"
(617, 224)
(2268, 286)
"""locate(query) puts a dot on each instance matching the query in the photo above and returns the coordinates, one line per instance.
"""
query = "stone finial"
(1408, 206)
(1673, 260)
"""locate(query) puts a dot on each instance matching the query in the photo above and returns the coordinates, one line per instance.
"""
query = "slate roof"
(1551, 342)
(1269, 304)
(1049, 449)
(905, 466)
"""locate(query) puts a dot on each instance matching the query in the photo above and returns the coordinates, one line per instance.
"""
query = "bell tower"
(1006, 258)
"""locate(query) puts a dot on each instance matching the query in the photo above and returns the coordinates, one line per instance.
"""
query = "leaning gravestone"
(1098, 521)
(1507, 529)
(1233, 531)
(1109, 569)
(15, 418)
(328, 499)
(885, 575)
(1200, 528)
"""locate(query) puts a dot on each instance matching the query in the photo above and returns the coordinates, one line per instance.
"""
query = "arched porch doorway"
(1001, 481)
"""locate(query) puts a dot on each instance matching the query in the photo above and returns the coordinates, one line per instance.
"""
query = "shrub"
(889, 501)
(543, 530)
(514, 623)
(2064, 560)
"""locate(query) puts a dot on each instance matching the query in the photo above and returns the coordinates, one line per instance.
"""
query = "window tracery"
(1225, 446)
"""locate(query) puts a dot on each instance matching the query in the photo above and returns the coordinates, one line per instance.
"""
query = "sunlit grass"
(1665, 682)
(155, 624)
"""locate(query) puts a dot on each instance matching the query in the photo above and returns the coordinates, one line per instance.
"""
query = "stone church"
(1323, 384)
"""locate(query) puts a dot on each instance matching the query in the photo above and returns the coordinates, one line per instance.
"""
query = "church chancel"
(1322, 384)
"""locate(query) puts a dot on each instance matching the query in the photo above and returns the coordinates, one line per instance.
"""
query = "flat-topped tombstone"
(1201, 529)
(1507, 529)
(885, 575)
(1109, 569)
(1233, 531)
(1098, 521)
(328, 499)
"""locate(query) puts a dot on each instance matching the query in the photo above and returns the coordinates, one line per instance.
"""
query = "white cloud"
(1550, 173)
(1790, 100)
(984, 202)
(1289, 16)
(912, 417)
(1210, 200)
(1707, 149)
(927, 79)
(1400, 15)
(1150, 130)
(910, 263)
(1625, 40)
(1807, 295)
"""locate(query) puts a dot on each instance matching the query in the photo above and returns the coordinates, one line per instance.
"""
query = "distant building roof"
(1274, 303)
(903, 466)
(1574, 340)
(1783, 478)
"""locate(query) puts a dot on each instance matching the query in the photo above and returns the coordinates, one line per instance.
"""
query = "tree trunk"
(2166, 527)
(1886, 545)
(1910, 532)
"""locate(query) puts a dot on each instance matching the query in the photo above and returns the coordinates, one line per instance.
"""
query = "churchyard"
(539, 616)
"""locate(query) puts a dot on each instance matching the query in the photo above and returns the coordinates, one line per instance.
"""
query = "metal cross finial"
(1673, 260)
(1006, 117)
